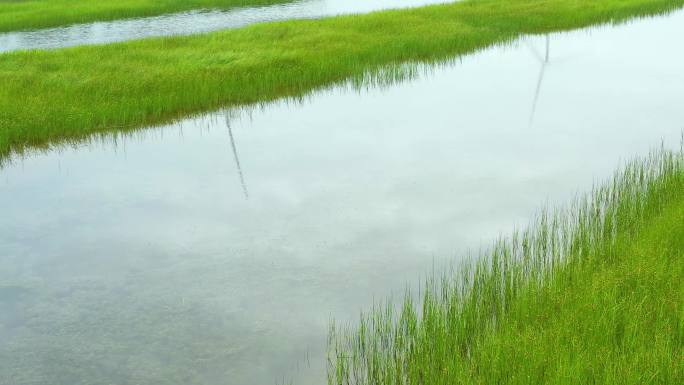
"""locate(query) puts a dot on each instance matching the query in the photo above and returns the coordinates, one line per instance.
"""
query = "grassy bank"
(590, 295)
(57, 96)
(32, 14)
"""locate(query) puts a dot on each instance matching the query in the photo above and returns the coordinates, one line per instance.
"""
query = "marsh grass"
(51, 97)
(383, 78)
(590, 294)
(33, 14)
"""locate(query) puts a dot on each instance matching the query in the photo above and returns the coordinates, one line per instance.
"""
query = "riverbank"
(53, 97)
(588, 295)
(24, 15)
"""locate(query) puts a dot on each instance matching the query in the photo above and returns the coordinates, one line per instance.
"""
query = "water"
(158, 260)
(186, 23)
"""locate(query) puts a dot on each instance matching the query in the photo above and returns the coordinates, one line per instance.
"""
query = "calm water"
(215, 253)
(186, 23)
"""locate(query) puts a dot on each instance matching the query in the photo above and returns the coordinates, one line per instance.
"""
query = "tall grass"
(70, 94)
(33, 14)
(592, 294)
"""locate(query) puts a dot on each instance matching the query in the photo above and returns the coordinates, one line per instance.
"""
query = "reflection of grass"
(591, 295)
(16, 15)
(49, 97)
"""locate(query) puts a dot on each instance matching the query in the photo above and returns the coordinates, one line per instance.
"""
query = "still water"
(186, 23)
(216, 250)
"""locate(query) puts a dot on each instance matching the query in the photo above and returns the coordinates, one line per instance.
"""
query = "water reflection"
(144, 263)
(544, 63)
(193, 22)
(235, 155)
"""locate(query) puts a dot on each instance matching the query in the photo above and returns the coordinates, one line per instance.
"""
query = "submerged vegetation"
(49, 97)
(589, 295)
(32, 14)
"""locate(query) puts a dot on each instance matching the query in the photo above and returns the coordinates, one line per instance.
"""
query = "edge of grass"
(36, 14)
(587, 294)
(50, 98)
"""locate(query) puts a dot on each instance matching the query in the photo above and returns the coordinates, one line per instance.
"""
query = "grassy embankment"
(590, 295)
(67, 95)
(31, 14)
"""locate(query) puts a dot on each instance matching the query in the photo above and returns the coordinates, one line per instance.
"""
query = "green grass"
(54, 97)
(33, 14)
(593, 294)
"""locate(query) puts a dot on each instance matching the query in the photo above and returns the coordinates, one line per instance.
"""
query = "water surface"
(186, 23)
(216, 250)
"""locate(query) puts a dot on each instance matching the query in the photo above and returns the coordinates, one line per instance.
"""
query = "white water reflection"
(145, 264)
(193, 22)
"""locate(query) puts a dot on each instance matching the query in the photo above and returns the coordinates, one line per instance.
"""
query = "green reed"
(589, 294)
(51, 97)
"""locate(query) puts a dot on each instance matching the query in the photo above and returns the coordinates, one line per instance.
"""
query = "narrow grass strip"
(32, 14)
(589, 295)
(52, 97)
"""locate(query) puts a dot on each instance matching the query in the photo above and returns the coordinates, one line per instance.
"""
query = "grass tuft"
(591, 294)
(49, 98)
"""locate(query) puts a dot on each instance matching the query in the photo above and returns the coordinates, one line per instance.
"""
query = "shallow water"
(186, 23)
(215, 253)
